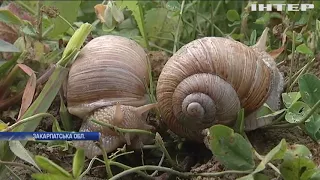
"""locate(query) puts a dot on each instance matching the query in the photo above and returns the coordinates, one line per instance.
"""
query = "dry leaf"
(275, 53)
(99, 9)
(29, 91)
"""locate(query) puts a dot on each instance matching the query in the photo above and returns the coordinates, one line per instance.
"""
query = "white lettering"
(304, 7)
(281, 7)
(293, 7)
(253, 7)
(267, 6)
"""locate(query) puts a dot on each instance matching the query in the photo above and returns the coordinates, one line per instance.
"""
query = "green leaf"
(41, 104)
(68, 10)
(232, 15)
(309, 86)
(9, 18)
(29, 30)
(294, 168)
(239, 126)
(304, 49)
(297, 112)
(313, 127)
(266, 111)
(77, 39)
(5, 67)
(65, 116)
(173, 6)
(3, 125)
(299, 150)
(290, 98)
(315, 176)
(48, 176)
(230, 148)
(78, 163)
(253, 38)
(133, 6)
(7, 47)
(260, 176)
(51, 167)
(276, 153)
(264, 19)
(164, 26)
(117, 14)
(109, 23)
(18, 149)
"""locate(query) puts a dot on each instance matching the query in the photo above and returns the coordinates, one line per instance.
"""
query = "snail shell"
(108, 82)
(209, 80)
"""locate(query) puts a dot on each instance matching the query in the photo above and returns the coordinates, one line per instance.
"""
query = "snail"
(209, 80)
(108, 82)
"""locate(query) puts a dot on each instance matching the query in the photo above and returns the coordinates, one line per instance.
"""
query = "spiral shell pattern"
(207, 81)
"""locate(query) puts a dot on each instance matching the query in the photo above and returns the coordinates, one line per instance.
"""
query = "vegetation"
(40, 41)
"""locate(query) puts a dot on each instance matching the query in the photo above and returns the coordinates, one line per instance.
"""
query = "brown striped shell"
(109, 69)
(210, 79)
(108, 82)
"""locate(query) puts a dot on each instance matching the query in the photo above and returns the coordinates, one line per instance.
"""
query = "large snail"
(209, 80)
(108, 82)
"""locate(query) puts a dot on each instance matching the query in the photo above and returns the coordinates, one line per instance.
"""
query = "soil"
(194, 157)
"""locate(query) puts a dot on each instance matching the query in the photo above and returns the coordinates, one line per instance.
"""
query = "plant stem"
(89, 167)
(67, 22)
(171, 171)
(160, 144)
(31, 118)
(21, 3)
(39, 20)
(122, 130)
(269, 164)
(144, 34)
(259, 156)
(106, 160)
(195, 24)
(304, 119)
(302, 71)
(176, 37)
(122, 154)
(160, 163)
(125, 167)
(168, 39)
(292, 60)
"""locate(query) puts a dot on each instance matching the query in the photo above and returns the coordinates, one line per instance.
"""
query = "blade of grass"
(49, 92)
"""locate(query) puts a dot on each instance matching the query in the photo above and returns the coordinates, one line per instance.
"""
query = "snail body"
(107, 82)
(209, 80)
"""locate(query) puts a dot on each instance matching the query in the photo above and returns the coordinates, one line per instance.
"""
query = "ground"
(196, 157)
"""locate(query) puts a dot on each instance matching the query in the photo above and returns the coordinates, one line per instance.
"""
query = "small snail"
(108, 82)
(209, 80)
